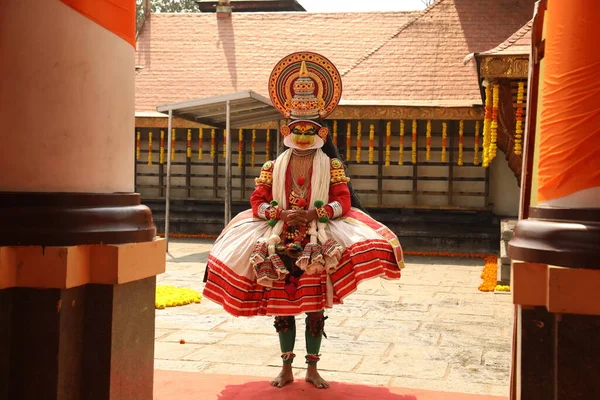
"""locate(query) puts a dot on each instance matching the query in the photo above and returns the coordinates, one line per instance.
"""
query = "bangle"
(337, 209)
(322, 214)
(262, 210)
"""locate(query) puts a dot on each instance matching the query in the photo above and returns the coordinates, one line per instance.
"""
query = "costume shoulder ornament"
(338, 174)
(266, 174)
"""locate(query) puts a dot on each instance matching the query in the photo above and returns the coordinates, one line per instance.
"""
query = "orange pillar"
(78, 252)
(556, 247)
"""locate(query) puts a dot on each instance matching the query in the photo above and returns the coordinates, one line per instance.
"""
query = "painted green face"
(303, 136)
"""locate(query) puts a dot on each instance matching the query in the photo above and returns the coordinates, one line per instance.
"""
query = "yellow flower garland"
(161, 150)
(444, 139)
(173, 141)
(253, 148)
(494, 123)
(519, 119)
(401, 144)
(461, 134)
(349, 141)
(414, 142)
(268, 146)
(358, 135)
(137, 145)
(188, 147)
(388, 142)
(371, 142)
(169, 296)
(225, 144)
(428, 143)
(200, 142)
(476, 145)
(502, 288)
(240, 147)
(212, 143)
(487, 126)
(149, 148)
(335, 132)
(489, 274)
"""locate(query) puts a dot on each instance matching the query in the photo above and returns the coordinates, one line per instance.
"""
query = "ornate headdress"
(305, 87)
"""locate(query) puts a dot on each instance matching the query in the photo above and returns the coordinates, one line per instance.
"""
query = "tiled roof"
(516, 45)
(411, 58)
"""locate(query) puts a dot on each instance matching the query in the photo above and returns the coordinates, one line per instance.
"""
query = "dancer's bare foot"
(312, 376)
(285, 376)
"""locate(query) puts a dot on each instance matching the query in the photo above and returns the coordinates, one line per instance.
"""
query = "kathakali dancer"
(305, 245)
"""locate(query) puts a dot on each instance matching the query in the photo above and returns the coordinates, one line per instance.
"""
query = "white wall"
(504, 190)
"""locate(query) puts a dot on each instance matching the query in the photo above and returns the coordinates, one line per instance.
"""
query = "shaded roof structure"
(516, 45)
(403, 58)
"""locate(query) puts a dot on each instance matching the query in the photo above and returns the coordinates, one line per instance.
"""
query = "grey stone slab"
(194, 337)
(328, 361)
(178, 365)
(173, 351)
(507, 229)
(270, 341)
(381, 323)
(480, 374)
(463, 340)
(233, 354)
(497, 359)
(504, 258)
(222, 368)
(466, 329)
(400, 337)
(451, 355)
(441, 385)
(198, 322)
(407, 367)
(360, 347)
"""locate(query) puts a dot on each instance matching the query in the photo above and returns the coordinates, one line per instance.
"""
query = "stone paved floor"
(431, 330)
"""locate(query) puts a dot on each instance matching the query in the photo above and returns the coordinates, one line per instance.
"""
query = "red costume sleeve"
(263, 192)
(338, 189)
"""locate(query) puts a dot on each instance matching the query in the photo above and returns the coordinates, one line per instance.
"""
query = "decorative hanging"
(486, 126)
(253, 148)
(137, 145)
(348, 141)
(401, 144)
(519, 117)
(461, 133)
(476, 145)
(224, 144)
(268, 146)
(149, 148)
(444, 140)
(388, 142)
(188, 146)
(414, 142)
(200, 142)
(358, 135)
(494, 124)
(173, 145)
(240, 148)
(371, 143)
(212, 143)
(161, 150)
(428, 143)
(335, 132)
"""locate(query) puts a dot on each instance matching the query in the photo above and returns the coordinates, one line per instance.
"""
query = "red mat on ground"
(173, 385)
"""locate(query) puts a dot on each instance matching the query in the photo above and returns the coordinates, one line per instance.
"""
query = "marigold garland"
(428, 143)
(487, 126)
(502, 288)
(519, 119)
(161, 151)
(137, 145)
(268, 146)
(371, 142)
(170, 296)
(401, 144)
(240, 148)
(461, 135)
(414, 142)
(253, 149)
(358, 136)
(348, 141)
(388, 142)
(200, 142)
(212, 143)
(489, 274)
(224, 144)
(444, 140)
(335, 132)
(494, 124)
(149, 148)
(188, 147)
(476, 145)
(172, 144)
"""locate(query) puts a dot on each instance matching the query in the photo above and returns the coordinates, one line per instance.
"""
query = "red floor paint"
(173, 385)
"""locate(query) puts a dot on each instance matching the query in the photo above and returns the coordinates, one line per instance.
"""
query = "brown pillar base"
(559, 355)
(93, 342)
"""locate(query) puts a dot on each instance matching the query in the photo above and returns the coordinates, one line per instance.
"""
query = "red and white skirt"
(371, 250)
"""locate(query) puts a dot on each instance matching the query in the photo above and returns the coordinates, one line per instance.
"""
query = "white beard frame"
(317, 144)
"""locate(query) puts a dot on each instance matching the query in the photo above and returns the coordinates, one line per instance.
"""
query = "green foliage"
(165, 6)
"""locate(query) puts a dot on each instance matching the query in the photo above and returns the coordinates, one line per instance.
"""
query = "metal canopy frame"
(230, 111)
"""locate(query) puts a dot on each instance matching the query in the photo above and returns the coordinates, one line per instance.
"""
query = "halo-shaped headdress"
(305, 86)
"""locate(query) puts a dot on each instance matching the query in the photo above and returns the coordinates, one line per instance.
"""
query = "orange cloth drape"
(570, 117)
(118, 16)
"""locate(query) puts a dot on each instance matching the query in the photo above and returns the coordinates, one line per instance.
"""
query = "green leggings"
(286, 328)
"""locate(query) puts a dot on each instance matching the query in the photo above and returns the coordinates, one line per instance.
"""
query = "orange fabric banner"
(118, 16)
(570, 104)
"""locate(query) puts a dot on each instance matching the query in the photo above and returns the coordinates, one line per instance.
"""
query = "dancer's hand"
(309, 215)
(293, 217)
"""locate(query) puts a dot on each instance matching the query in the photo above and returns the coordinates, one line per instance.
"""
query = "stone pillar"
(556, 244)
(78, 252)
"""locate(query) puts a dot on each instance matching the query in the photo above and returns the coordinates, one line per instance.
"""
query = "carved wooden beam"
(501, 67)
